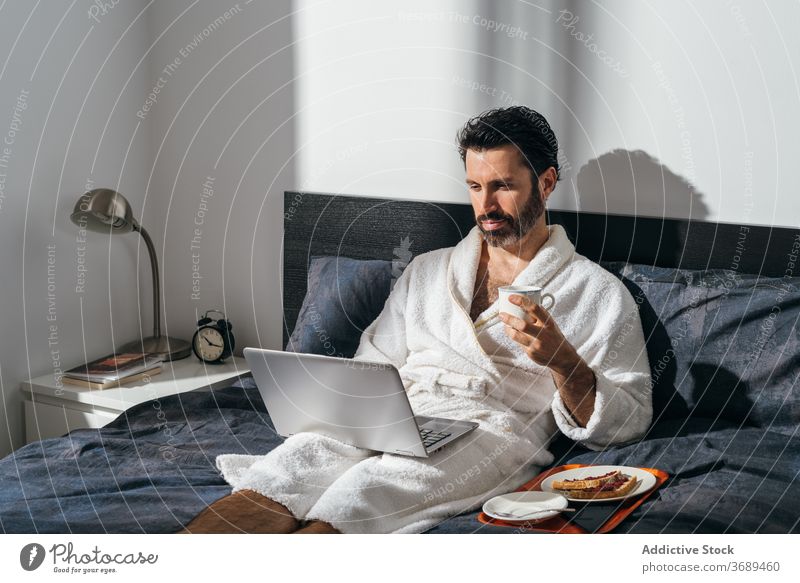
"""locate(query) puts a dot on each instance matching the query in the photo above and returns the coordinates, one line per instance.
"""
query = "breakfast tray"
(594, 517)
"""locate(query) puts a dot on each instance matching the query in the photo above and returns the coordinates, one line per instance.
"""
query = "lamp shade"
(104, 210)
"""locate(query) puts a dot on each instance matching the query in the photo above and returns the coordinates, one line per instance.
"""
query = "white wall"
(223, 147)
(663, 108)
(78, 83)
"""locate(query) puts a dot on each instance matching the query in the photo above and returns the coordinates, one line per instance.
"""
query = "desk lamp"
(107, 211)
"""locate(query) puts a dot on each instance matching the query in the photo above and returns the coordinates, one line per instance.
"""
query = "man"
(580, 367)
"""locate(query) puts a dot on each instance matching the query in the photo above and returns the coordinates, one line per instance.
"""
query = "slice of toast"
(588, 483)
(619, 487)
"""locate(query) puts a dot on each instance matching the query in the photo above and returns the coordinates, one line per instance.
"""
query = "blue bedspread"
(152, 470)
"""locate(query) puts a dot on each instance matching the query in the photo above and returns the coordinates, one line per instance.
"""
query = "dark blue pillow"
(343, 297)
(721, 344)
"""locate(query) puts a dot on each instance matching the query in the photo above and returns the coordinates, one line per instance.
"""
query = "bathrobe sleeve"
(616, 353)
(385, 339)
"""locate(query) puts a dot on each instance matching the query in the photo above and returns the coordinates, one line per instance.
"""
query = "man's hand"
(543, 342)
(541, 338)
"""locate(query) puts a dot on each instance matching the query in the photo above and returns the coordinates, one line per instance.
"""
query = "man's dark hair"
(521, 126)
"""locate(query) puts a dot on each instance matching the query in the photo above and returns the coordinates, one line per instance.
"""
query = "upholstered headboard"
(397, 230)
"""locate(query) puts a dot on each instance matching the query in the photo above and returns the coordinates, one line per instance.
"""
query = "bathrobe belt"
(451, 381)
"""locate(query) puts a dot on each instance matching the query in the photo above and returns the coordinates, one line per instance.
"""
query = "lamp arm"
(156, 282)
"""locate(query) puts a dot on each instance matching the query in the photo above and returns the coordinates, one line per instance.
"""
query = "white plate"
(525, 502)
(646, 480)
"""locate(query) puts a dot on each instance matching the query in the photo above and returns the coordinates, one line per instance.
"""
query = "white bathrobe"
(452, 367)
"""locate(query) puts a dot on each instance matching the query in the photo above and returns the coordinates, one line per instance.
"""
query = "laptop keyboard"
(430, 437)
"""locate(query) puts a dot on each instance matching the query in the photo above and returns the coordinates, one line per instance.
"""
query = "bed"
(719, 304)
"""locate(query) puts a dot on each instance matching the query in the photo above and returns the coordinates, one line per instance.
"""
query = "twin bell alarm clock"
(213, 341)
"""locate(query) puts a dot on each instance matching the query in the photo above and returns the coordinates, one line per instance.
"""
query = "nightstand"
(53, 408)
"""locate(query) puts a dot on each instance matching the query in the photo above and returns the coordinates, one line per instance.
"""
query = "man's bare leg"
(317, 527)
(244, 511)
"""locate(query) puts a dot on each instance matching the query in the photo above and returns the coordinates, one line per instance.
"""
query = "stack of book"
(114, 370)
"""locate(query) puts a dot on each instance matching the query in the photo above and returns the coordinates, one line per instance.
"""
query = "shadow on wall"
(632, 182)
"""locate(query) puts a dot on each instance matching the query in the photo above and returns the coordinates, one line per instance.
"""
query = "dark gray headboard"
(373, 228)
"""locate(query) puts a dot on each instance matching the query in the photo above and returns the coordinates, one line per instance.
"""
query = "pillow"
(720, 344)
(343, 297)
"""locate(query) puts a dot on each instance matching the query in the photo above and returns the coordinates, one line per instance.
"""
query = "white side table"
(53, 408)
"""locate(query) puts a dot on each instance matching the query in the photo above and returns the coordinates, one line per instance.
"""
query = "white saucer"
(521, 503)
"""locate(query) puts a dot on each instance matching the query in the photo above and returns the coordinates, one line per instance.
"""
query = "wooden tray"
(562, 523)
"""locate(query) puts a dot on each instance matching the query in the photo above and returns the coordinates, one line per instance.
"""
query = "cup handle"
(552, 301)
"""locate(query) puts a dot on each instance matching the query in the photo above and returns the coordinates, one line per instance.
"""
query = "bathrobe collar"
(463, 267)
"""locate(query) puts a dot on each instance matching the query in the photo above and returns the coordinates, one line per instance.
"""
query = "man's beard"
(515, 228)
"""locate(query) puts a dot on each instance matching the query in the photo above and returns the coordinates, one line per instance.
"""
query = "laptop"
(357, 402)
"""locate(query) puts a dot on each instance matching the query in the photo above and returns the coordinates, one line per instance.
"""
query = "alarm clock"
(213, 341)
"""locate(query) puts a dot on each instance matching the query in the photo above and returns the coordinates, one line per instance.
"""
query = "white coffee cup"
(531, 292)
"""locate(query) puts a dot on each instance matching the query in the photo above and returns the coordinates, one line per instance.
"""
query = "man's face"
(504, 197)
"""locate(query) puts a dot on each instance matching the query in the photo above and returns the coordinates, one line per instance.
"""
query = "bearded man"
(579, 367)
